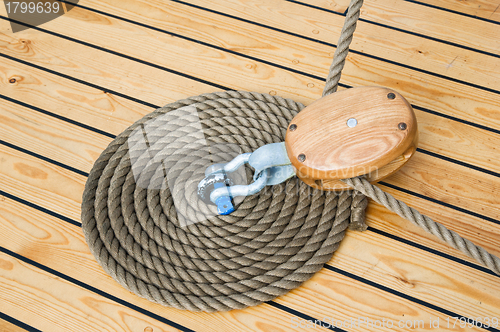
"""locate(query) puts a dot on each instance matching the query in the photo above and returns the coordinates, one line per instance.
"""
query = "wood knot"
(25, 42)
(406, 282)
(15, 79)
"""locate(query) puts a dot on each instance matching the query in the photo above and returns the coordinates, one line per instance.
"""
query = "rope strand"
(450, 237)
(333, 78)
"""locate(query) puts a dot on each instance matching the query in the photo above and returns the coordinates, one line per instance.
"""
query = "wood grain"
(439, 135)
(488, 9)
(429, 89)
(56, 188)
(339, 6)
(307, 56)
(374, 40)
(64, 142)
(484, 233)
(426, 21)
(450, 183)
(9, 327)
(51, 304)
(332, 149)
(327, 294)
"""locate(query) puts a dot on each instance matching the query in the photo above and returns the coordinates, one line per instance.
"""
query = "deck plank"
(487, 9)
(50, 304)
(439, 188)
(429, 23)
(370, 40)
(327, 294)
(447, 97)
(308, 56)
(6, 326)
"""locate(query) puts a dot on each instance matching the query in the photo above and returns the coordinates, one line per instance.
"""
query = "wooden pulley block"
(369, 131)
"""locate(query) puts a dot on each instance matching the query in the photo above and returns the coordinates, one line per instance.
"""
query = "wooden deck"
(70, 85)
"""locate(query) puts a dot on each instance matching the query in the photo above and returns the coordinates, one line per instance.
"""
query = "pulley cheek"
(370, 131)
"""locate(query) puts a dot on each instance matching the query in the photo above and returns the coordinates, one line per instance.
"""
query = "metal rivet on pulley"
(402, 126)
(352, 122)
(293, 127)
(301, 157)
(391, 95)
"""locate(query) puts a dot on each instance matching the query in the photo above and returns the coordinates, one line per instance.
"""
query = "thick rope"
(333, 78)
(272, 243)
(387, 200)
(409, 213)
(332, 81)
(142, 190)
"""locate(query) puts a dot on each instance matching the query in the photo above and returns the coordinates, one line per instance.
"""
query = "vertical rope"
(361, 185)
(333, 78)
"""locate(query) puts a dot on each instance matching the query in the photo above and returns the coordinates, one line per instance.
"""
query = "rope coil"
(271, 244)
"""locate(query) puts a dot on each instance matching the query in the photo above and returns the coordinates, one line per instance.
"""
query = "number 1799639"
(32, 7)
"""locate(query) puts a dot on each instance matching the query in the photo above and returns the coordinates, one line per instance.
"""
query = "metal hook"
(272, 166)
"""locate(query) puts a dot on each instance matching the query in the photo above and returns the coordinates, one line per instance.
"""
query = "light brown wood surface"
(6, 326)
(69, 98)
(71, 257)
(432, 23)
(32, 294)
(393, 45)
(487, 9)
(368, 131)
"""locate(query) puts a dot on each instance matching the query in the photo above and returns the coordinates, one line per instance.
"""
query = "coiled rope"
(271, 244)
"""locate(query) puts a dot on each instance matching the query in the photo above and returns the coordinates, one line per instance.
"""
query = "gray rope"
(332, 81)
(450, 237)
(381, 197)
(333, 78)
(272, 243)
(367, 189)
